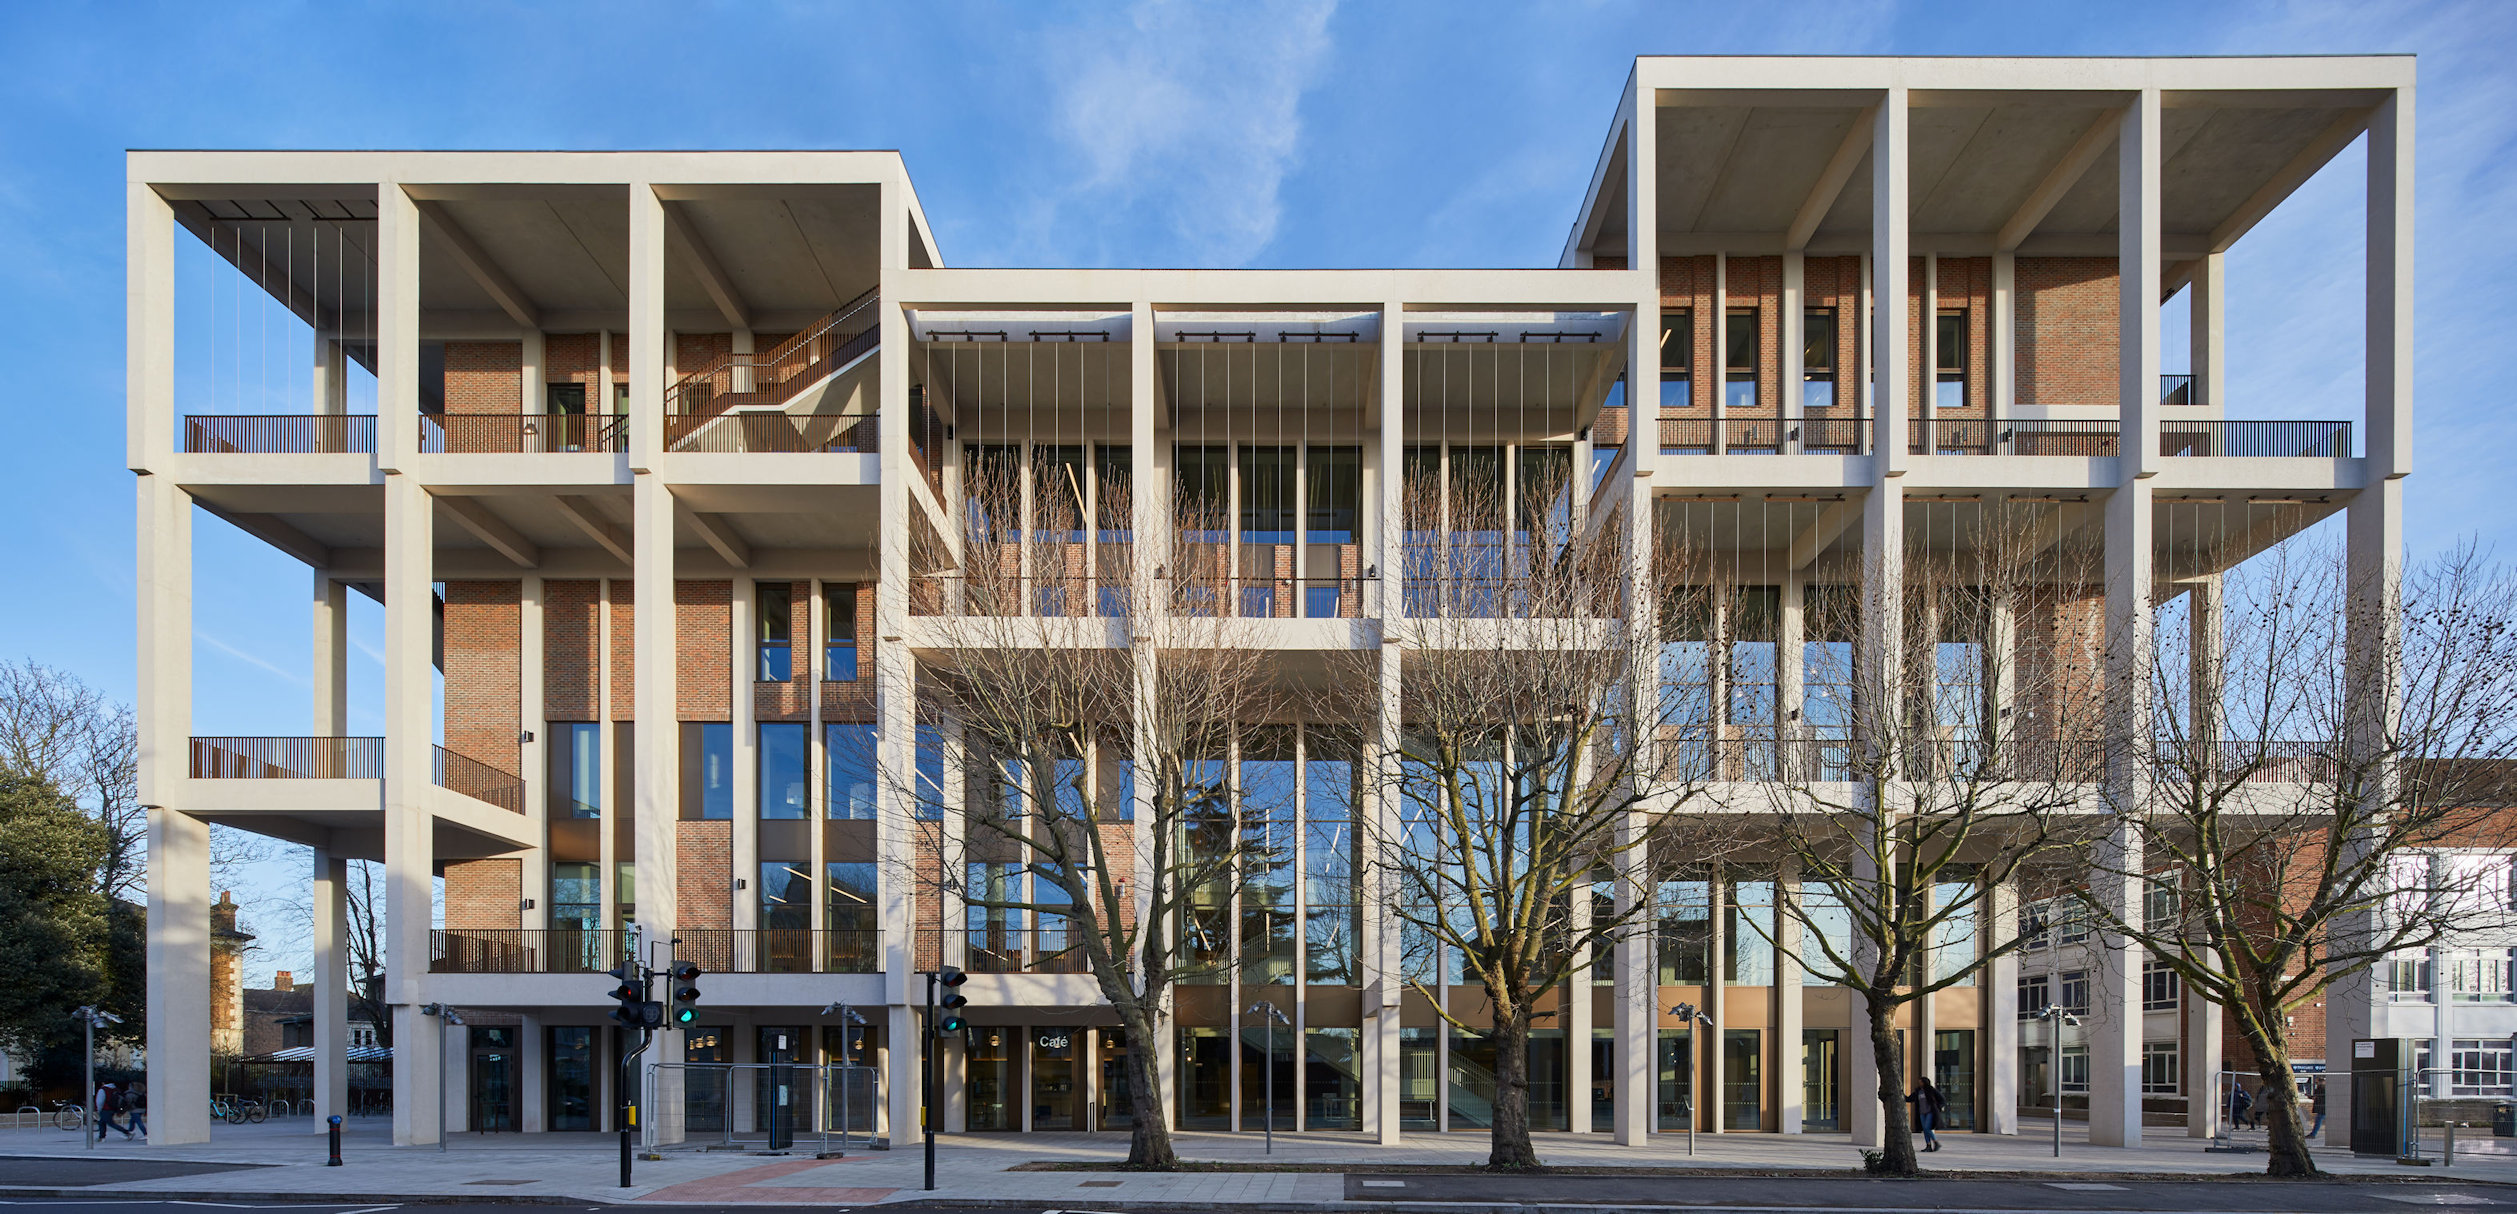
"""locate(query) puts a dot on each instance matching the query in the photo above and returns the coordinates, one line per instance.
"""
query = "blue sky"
(1367, 134)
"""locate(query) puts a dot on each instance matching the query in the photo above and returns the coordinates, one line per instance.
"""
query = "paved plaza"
(286, 1161)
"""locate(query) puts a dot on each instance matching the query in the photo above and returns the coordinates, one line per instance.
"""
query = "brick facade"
(703, 630)
(705, 876)
(484, 377)
(570, 629)
(485, 894)
(484, 688)
(2069, 315)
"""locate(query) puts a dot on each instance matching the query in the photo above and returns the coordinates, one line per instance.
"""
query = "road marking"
(1384, 1184)
(2084, 1186)
(2437, 1199)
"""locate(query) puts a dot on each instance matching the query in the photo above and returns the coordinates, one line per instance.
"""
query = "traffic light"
(630, 990)
(951, 1021)
(685, 976)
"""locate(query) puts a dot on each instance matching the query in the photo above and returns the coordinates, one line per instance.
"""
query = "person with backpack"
(108, 1107)
(135, 1107)
(2241, 1106)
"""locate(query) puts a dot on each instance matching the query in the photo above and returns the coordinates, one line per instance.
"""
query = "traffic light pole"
(926, 1077)
(628, 1102)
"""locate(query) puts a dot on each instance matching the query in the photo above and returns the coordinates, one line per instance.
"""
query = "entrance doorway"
(1118, 1107)
(493, 1078)
(1053, 1087)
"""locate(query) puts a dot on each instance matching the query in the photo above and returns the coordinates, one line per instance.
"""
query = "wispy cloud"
(251, 659)
(1188, 117)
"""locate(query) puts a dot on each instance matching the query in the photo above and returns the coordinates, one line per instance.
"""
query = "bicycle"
(250, 1110)
(222, 1109)
(69, 1115)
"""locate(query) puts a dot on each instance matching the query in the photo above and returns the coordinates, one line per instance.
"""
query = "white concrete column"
(179, 977)
(896, 744)
(149, 314)
(607, 770)
(1791, 1103)
(1890, 375)
(2138, 250)
(1393, 432)
(2004, 346)
(1795, 338)
(1384, 977)
(410, 724)
(2000, 1067)
(1927, 376)
(655, 692)
(2373, 542)
(1578, 997)
(1711, 1067)
(535, 869)
(2201, 1061)
(2114, 1024)
(331, 669)
(2208, 333)
(745, 756)
(2389, 407)
(397, 332)
(331, 981)
(1643, 366)
(533, 1074)
(646, 331)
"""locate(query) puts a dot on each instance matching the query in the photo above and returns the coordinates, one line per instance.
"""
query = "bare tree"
(1922, 780)
(1058, 675)
(2324, 747)
(366, 940)
(1521, 784)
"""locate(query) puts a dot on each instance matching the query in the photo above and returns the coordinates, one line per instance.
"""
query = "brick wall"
(695, 352)
(1687, 282)
(2068, 322)
(705, 879)
(484, 894)
(624, 650)
(569, 636)
(484, 376)
(1757, 282)
(484, 636)
(703, 625)
(1836, 282)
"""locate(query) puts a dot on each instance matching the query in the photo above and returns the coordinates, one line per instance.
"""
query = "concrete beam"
(270, 530)
(1831, 523)
(589, 518)
(712, 276)
(1830, 184)
(2058, 180)
(718, 531)
(476, 263)
(2327, 143)
(472, 516)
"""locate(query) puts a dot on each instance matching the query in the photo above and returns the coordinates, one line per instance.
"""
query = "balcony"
(781, 950)
(730, 433)
(280, 434)
(568, 950)
(288, 758)
(525, 433)
(1111, 597)
(477, 780)
(1978, 436)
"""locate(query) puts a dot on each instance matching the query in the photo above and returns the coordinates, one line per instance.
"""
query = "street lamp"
(2054, 1014)
(1275, 1016)
(89, 1017)
(450, 1019)
(1692, 1015)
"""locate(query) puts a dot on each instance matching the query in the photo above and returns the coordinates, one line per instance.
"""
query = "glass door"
(1953, 1072)
(1118, 1106)
(1743, 1079)
(991, 1079)
(1819, 1079)
(1053, 1090)
(572, 1077)
(493, 1079)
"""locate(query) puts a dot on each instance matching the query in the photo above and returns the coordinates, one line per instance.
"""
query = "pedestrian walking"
(2316, 1093)
(135, 1107)
(2241, 1106)
(1928, 1107)
(108, 1107)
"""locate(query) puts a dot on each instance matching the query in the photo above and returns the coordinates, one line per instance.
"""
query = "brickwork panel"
(705, 880)
(2068, 331)
(703, 624)
(484, 377)
(484, 895)
(569, 637)
(484, 689)
(624, 650)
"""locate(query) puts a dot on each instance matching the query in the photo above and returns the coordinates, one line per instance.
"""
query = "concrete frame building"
(748, 385)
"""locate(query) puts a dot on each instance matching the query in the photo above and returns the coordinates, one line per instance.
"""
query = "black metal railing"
(772, 377)
(281, 434)
(2176, 390)
(521, 433)
(1834, 435)
(1112, 597)
(288, 758)
(477, 780)
(774, 432)
(2274, 440)
(1949, 435)
(780, 950)
(556, 950)
(2067, 438)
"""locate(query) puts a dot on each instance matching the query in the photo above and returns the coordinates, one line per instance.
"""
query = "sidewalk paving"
(979, 1168)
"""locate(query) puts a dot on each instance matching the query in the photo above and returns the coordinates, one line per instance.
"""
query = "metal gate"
(771, 1106)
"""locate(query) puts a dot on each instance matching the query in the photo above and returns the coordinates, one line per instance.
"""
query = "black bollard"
(335, 1161)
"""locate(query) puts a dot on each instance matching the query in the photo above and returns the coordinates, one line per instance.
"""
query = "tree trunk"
(1511, 1150)
(1896, 1131)
(2277, 1103)
(1149, 1133)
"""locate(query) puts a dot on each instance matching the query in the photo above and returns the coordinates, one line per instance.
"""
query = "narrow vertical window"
(1740, 347)
(1677, 359)
(707, 771)
(783, 793)
(839, 633)
(776, 639)
(1817, 359)
(1949, 353)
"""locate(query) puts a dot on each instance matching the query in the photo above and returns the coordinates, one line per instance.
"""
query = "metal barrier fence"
(772, 1105)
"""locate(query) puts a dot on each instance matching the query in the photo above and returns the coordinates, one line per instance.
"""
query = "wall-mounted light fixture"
(525, 737)
(740, 883)
(528, 904)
